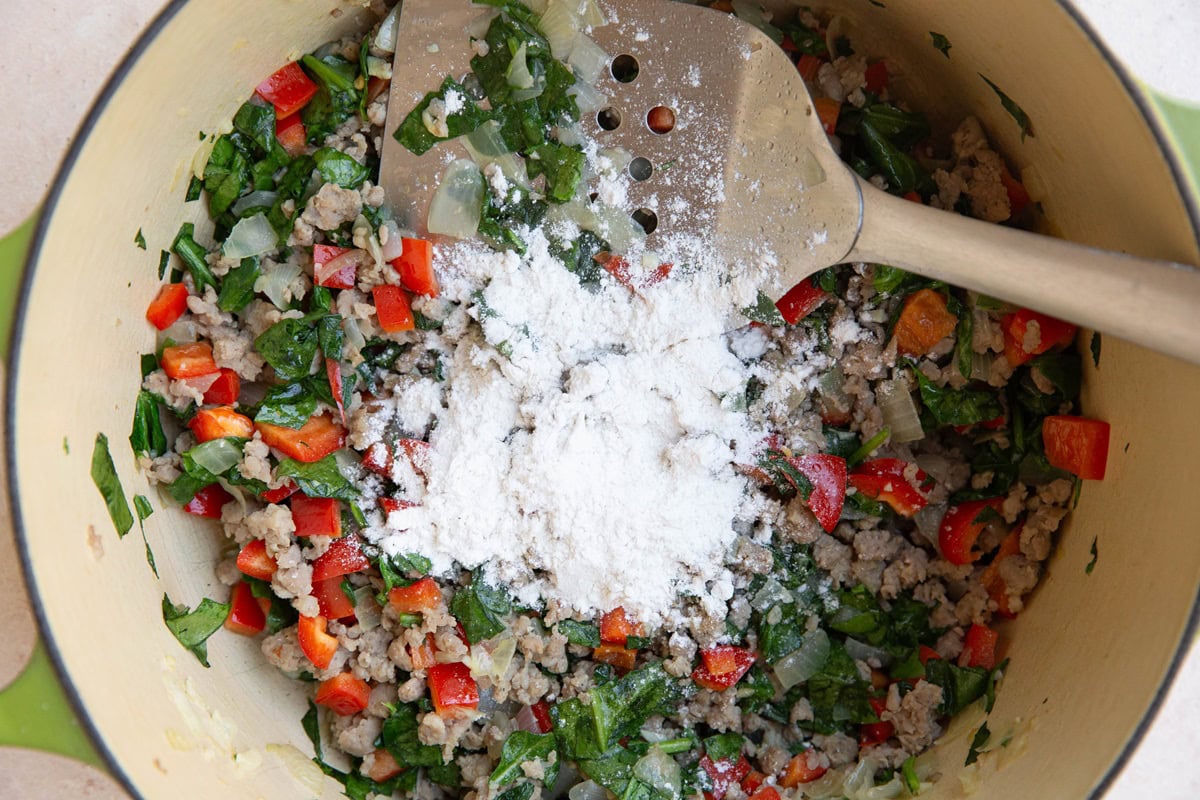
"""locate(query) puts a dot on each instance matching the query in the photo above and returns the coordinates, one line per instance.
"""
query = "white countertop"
(60, 53)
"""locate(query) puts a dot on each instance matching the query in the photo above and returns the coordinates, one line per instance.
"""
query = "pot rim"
(1153, 120)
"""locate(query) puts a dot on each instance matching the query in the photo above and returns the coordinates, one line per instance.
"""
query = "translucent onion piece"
(537, 6)
(861, 778)
(385, 40)
(838, 27)
(526, 720)
(201, 383)
(560, 25)
(753, 13)
(592, 15)
(203, 153)
(181, 332)
(615, 226)
(576, 212)
(354, 337)
(809, 170)
(571, 135)
(588, 98)
(804, 662)
(588, 790)
(393, 247)
(478, 27)
(458, 203)
(618, 158)
(899, 411)
(378, 68)
(486, 147)
(519, 76)
(252, 236)
(217, 456)
(981, 366)
(884, 791)
(660, 772)
(772, 593)
(487, 140)
(274, 282)
(865, 652)
(929, 522)
(588, 59)
(260, 199)
(352, 258)
(366, 610)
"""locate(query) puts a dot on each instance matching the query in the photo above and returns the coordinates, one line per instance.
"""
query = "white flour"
(588, 459)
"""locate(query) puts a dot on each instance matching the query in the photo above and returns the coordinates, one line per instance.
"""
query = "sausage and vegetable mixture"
(915, 446)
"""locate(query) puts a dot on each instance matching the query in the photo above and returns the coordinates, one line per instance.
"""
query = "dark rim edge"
(1132, 88)
(1191, 203)
(111, 85)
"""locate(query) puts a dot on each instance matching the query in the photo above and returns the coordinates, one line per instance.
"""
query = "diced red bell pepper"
(876, 77)
(875, 732)
(914, 197)
(1052, 333)
(255, 561)
(452, 687)
(423, 656)
(167, 306)
(766, 793)
(991, 580)
(827, 474)
(979, 647)
(924, 321)
(316, 516)
(809, 65)
(828, 111)
(541, 714)
(883, 479)
(798, 771)
(615, 654)
(961, 527)
(383, 767)
(704, 676)
(619, 268)
(1018, 198)
(191, 360)
(390, 504)
(315, 642)
(417, 452)
(219, 422)
(332, 598)
(616, 627)
(208, 502)
(280, 494)
(927, 654)
(415, 266)
(344, 557)
(393, 309)
(894, 467)
(1078, 445)
(333, 371)
(752, 781)
(800, 301)
(343, 278)
(723, 774)
(378, 459)
(319, 437)
(225, 390)
(416, 597)
(288, 89)
(291, 135)
(246, 616)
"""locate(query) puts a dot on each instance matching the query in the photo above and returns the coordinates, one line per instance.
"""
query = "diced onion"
(252, 236)
(201, 383)
(519, 76)
(899, 411)
(458, 203)
(929, 522)
(259, 199)
(393, 246)
(354, 336)
(354, 258)
(378, 68)
(619, 229)
(591, 14)
(660, 772)
(366, 610)
(837, 28)
(804, 662)
(571, 135)
(487, 140)
(618, 158)
(861, 778)
(182, 332)
(478, 27)
(862, 651)
(275, 280)
(486, 147)
(587, 97)
(772, 593)
(217, 456)
(981, 366)
(588, 59)
(526, 720)
(588, 790)
(385, 40)
(203, 153)
(560, 25)
(884, 791)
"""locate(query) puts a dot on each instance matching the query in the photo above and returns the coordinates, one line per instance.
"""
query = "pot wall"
(1088, 655)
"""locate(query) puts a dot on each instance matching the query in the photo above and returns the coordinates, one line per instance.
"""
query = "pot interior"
(1089, 654)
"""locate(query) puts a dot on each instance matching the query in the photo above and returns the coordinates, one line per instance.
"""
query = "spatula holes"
(661, 119)
(640, 169)
(609, 119)
(625, 68)
(647, 219)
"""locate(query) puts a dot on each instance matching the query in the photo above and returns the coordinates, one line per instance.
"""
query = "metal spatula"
(748, 160)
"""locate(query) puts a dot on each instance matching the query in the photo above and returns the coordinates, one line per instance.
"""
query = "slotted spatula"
(744, 130)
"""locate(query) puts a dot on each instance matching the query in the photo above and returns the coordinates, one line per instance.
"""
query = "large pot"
(1091, 656)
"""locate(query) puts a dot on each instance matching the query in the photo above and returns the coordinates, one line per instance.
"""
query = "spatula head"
(715, 109)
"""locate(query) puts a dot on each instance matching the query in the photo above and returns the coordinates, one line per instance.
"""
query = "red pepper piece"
(961, 527)
(452, 687)
(208, 502)
(254, 560)
(167, 306)
(800, 301)
(246, 616)
(343, 557)
(1078, 445)
(288, 89)
(344, 694)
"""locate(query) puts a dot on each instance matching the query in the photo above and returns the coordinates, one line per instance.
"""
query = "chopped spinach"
(1014, 110)
(1091, 565)
(949, 406)
(806, 39)
(481, 609)
(147, 437)
(290, 405)
(337, 98)
(1095, 349)
(164, 260)
(764, 311)
(521, 746)
(399, 737)
(620, 708)
(237, 289)
(579, 633)
(978, 742)
(940, 43)
(339, 168)
(193, 628)
(724, 746)
(139, 239)
(194, 256)
(415, 135)
(290, 347)
(563, 167)
(319, 479)
(256, 121)
(104, 475)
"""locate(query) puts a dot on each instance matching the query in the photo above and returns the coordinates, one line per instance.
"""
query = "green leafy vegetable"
(961, 686)
(415, 135)
(868, 447)
(1095, 348)
(806, 39)
(147, 437)
(979, 741)
(193, 628)
(521, 746)
(319, 479)
(337, 98)
(621, 707)
(764, 310)
(1091, 565)
(940, 43)
(141, 504)
(574, 730)
(579, 633)
(399, 737)
(1014, 110)
(256, 121)
(290, 405)
(964, 352)
(838, 693)
(139, 239)
(724, 745)
(290, 346)
(949, 406)
(164, 260)
(194, 256)
(104, 475)
(480, 608)
(908, 770)
(563, 167)
(901, 171)
(237, 289)
(339, 168)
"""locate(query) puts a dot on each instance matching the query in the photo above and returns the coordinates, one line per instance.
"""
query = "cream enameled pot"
(1091, 655)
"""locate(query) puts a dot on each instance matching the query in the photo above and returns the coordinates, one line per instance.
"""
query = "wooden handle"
(1152, 303)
